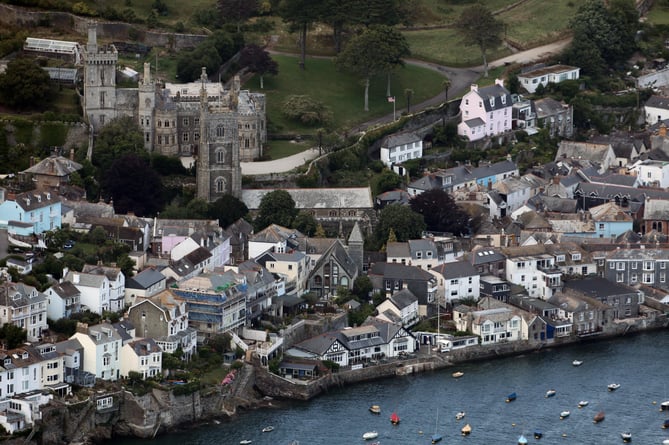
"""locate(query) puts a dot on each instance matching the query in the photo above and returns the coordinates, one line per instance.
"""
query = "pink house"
(485, 111)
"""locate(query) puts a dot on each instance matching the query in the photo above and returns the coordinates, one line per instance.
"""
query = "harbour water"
(429, 402)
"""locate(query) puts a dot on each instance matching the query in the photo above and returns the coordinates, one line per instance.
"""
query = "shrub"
(307, 110)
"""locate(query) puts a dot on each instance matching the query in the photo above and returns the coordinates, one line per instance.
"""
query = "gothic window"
(102, 99)
(160, 139)
(220, 131)
(220, 156)
(196, 121)
(220, 185)
(102, 77)
(172, 139)
(318, 280)
(147, 136)
(160, 123)
(167, 123)
(141, 121)
(246, 143)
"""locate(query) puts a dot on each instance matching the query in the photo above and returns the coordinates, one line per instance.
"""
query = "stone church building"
(220, 127)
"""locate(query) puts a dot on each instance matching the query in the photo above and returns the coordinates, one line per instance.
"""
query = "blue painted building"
(30, 213)
(610, 220)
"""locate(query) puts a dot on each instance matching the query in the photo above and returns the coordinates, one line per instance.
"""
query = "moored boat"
(394, 419)
(522, 440)
(369, 435)
(375, 409)
(577, 362)
(665, 425)
(582, 403)
(626, 436)
(466, 430)
(551, 393)
(538, 435)
(511, 397)
(245, 442)
(564, 414)
(613, 386)
(664, 406)
(458, 374)
(436, 438)
(599, 417)
(460, 415)
(267, 429)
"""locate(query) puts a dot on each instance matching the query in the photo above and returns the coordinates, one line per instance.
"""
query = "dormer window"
(503, 98)
(492, 101)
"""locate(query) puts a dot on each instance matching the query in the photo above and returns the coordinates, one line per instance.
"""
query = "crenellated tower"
(99, 80)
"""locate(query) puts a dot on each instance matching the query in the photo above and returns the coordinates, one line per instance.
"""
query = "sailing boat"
(436, 437)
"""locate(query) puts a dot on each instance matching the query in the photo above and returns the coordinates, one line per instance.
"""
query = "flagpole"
(393, 109)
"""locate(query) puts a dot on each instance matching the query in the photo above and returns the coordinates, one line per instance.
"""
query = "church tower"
(219, 170)
(99, 80)
(146, 108)
(356, 246)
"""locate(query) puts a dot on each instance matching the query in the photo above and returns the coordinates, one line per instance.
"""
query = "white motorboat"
(582, 403)
(245, 442)
(550, 393)
(626, 436)
(564, 414)
(664, 406)
(613, 386)
(369, 435)
(267, 429)
(577, 362)
(460, 415)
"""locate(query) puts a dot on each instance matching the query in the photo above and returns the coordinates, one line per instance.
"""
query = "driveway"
(460, 78)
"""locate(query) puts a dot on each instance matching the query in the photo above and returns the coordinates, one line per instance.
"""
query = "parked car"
(68, 245)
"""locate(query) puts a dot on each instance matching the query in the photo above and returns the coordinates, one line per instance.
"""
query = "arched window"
(344, 281)
(220, 156)
(220, 131)
(220, 184)
(318, 280)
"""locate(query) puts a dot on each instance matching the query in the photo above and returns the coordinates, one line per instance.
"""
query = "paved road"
(461, 79)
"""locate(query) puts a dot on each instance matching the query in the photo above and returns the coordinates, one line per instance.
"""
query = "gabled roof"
(340, 254)
(400, 272)
(658, 102)
(111, 273)
(456, 269)
(145, 279)
(583, 150)
(492, 97)
(609, 211)
(65, 290)
(598, 287)
(548, 107)
(54, 166)
(35, 200)
(483, 171)
(397, 139)
(397, 249)
(403, 298)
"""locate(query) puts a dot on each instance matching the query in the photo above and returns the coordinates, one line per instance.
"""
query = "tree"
(299, 14)
(440, 212)
(13, 335)
(24, 84)
(119, 137)
(376, 50)
(480, 27)
(190, 63)
(227, 209)
(446, 84)
(406, 223)
(305, 223)
(276, 207)
(306, 110)
(134, 186)
(387, 180)
(408, 93)
(258, 61)
(237, 11)
(362, 287)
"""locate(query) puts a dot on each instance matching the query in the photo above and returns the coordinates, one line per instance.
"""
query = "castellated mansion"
(219, 127)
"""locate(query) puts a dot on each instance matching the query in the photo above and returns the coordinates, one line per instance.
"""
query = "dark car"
(68, 245)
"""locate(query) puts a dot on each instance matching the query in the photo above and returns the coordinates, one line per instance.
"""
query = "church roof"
(325, 198)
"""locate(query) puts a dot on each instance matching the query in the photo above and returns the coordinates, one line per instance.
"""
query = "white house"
(94, 290)
(458, 280)
(142, 356)
(485, 111)
(652, 173)
(294, 267)
(534, 269)
(24, 307)
(275, 238)
(401, 147)
(656, 109)
(145, 284)
(63, 300)
(492, 325)
(102, 350)
(116, 284)
(531, 79)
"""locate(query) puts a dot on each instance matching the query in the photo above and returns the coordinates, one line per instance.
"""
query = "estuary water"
(427, 403)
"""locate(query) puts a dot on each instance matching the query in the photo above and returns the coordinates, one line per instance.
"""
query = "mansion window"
(220, 131)
(186, 122)
(184, 137)
(196, 136)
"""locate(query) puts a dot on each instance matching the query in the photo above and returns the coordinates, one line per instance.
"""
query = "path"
(461, 79)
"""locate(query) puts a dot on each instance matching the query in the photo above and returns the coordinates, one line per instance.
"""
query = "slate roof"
(111, 273)
(144, 347)
(609, 211)
(17, 295)
(496, 92)
(145, 279)
(65, 290)
(548, 107)
(392, 196)
(544, 203)
(275, 233)
(456, 269)
(321, 198)
(54, 166)
(614, 179)
(612, 191)
(598, 287)
(658, 102)
(398, 250)
(338, 251)
(582, 150)
(483, 171)
(35, 200)
(486, 255)
(400, 271)
(403, 298)
(473, 123)
(397, 139)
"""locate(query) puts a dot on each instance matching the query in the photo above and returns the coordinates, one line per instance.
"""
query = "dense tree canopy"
(404, 222)
(227, 209)
(237, 11)
(25, 85)
(299, 14)
(305, 223)
(134, 186)
(276, 207)
(119, 137)
(258, 61)
(440, 212)
(480, 27)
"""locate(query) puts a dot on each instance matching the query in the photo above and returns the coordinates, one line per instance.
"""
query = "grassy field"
(536, 23)
(281, 149)
(343, 93)
(659, 14)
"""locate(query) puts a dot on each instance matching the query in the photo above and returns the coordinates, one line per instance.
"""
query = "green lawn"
(343, 93)
(535, 23)
(281, 149)
(659, 14)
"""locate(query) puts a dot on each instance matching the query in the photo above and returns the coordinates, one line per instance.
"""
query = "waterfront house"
(637, 266)
(500, 324)
(624, 300)
(142, 356)
(24, 369)
(22, 411)
(401, 307)
(24, 307)
(102, 350)
(389, 278)
(373, 340)
(588, 315)
(63, 300)
(534, 269)
(73, 371)
(164, 318)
